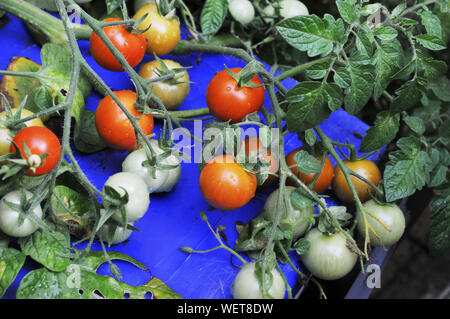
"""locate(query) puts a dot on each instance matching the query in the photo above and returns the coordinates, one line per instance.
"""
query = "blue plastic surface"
(173, 219)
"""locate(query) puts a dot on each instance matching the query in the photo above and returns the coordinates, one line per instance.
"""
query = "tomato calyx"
(116, 203)
(168, 75)
(245, 76)
(18, 163)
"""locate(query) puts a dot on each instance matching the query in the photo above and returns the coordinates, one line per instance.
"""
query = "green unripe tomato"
(246, 286)
(390, 215)
(9, 218)
(299, 219)
(242, 11)
(328, 257)
(292, 8)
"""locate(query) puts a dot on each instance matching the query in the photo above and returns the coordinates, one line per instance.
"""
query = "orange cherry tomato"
(367, 169)
(39, 140)
(227, 101)
(131, 45)
(113, 125)
(253, 144)
(225, 185)
(323, 181)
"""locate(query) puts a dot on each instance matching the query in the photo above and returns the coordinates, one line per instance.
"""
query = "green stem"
(300, 68)
(52, 27)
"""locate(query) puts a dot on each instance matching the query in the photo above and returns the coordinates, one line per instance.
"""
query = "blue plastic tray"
(173, 219)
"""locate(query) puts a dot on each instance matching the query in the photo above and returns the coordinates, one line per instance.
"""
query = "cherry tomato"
(328, 257)
(130, 45)
(292, 8)
(138, 195)
(225, 184)
(246, 286)
(164, 32)
(366, 169)
(299, 220)
(6, 135)
(9, 218)
(39, 140)
(171, 94)
(227, 101)
(325, 177)
(390, 215)
(113, 125)
(253, 144)
(242, 11)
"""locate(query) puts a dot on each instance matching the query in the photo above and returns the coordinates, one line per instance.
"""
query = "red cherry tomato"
(225, 185)
(39, 140)
(323, 181)
(131, 45)
(227, 101)
(113, 125)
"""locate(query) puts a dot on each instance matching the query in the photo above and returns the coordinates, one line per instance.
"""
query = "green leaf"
(307, 163)
(112, 5)
(311, 34)
(432, 68)
(11, 261)
(385, 33)
(382, 133)
(407, 96)
(78, 283)
(212, 16)
(300, 200)
(431, 42)
(317, 99)
(360, 90)
(439, 236)
(347, 11)
(86, 138)
(432, 23)
(415, 124)
(407, 170)
(95, 259)
(68, 206)
(387, 62)
(50, 248)
(440, 86)
(302, 246)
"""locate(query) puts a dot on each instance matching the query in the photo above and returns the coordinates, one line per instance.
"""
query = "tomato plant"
(43, 146)
(172, 92)
(391, 74)
(365, 168)
(130, 45)
(225, 184)
(325, 176)
(113, 125)
(163, 32)
(227, 101)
